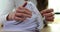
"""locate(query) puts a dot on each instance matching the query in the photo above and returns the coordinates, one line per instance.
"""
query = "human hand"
(47, 13)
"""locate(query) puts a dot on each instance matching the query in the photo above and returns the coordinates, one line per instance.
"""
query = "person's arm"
(6, 7)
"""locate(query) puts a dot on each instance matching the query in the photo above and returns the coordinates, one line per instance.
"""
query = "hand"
(47, 13)
(21, 14)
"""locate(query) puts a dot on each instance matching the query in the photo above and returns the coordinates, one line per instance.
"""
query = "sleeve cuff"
(3, 18)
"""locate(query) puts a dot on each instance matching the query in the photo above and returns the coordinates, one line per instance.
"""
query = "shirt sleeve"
(6, 7)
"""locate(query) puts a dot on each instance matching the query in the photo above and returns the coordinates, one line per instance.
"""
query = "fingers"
(28, 11)
(23, 10)
(19, 19)
(22, 15)
(49, 19)
(46, 11)
(48, 14)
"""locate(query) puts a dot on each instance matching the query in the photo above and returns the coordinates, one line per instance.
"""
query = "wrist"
(9, 17)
